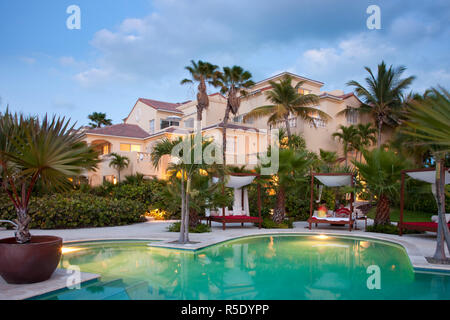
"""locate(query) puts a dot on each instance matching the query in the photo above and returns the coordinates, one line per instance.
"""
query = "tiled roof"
(121, 130)
(161, 105)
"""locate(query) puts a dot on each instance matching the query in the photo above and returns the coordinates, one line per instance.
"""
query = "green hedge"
(77, 210)
(148, 192)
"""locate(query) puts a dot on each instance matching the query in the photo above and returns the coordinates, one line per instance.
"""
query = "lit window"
(303, 91)
(125, 147)
(106, 149)
(135, 148)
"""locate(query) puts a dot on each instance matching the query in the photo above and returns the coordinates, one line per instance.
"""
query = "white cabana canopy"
(237, 182)
(240, 203)
(428, 176)
(335, 180)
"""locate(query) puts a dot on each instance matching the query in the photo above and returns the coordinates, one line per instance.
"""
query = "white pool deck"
(417, 246)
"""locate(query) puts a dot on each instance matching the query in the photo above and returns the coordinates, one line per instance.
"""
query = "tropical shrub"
(77, 210)
(268, 223)
(199, 228)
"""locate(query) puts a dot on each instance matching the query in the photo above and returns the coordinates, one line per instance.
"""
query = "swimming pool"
(294, 267)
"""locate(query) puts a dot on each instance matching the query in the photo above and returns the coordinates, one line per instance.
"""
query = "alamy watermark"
(250, 149)
(73, 22)
(374, 280)
(374, 20)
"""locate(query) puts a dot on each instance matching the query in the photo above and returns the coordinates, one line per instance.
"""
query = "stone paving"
(417, 246)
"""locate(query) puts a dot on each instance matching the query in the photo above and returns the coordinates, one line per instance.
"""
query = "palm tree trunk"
(288, 127)
(224, 134)
(382, 216)
(186, 215)
(280, 206)
(346, 154)
(443, 232)
(183, 206)
(22, 233)
(380, 125)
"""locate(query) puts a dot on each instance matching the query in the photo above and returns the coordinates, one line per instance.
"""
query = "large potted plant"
(32, 150)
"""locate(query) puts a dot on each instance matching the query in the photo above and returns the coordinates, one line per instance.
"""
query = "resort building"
(149, 121)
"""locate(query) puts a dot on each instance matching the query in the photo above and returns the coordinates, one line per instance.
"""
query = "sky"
(127, 50)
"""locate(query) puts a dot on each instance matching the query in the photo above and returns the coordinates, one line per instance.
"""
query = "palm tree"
(186, 168)
(428, 120)
(203, 73)
(98, 120)
(285, 101)
(382, 96)
(119, 162)
(348, 137)
(48, 151)
(234, 81)
(293, 167)
(366, 136)
(328, 160)
(382, 173)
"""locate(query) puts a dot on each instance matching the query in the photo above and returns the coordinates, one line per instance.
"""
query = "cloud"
(321, 40)
(28, 60)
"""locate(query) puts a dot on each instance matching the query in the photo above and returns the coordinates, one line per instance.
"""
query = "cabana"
(332, 180)
(241, 210)
(426, 175)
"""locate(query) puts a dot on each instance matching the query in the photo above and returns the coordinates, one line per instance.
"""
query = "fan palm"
(348, 137)
(98, 120)
(203, 73)
(382, 96)
(119, 162)
(285, 101)
(49, 151)
(381, 173)
(234, 82)
(428, 120)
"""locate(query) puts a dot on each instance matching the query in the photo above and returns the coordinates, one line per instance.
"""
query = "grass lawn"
(408, 216)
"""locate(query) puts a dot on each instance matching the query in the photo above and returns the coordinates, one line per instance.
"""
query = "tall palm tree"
(98, 119)
(203, 73)
(287, 101)
(428, 120)
(119, 162)
(348, 137)
(234, 82)
(382, 97)
(48, 151)
(382, 173)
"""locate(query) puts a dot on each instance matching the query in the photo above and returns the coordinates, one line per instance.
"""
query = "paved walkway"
(417, 246)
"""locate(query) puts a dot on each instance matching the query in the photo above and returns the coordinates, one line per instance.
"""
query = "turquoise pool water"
(265, 267)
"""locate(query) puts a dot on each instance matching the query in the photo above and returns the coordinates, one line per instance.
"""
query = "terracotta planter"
(29, 263)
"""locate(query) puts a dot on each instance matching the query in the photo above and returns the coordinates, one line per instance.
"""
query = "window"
(130, 147)
(303, 91)
(189, 123)
(293, 122)
(238, 119)
(169, 123)
(351, 115)
(106, 149)
(317, 121)
(152, 126)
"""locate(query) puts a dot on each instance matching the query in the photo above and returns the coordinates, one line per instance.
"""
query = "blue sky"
(131, 49)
